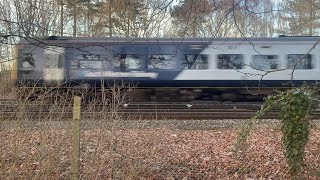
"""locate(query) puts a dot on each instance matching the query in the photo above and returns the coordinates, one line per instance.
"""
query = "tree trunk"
(74, 20)
(311, 18)
(61, 19)
(110, 20)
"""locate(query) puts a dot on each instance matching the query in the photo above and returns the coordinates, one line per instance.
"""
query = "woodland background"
(41, 147)
(156, 18)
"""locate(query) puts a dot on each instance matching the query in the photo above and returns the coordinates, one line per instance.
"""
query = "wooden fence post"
(75, 159)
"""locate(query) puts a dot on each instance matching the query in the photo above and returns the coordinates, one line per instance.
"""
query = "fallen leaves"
(152, 154)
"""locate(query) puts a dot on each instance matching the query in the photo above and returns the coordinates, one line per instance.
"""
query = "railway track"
(138, 111)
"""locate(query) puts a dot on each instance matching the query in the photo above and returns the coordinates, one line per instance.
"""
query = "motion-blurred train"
(187, 68)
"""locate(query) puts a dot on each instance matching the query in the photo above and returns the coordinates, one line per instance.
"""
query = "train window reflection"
(230, 61)
(28, 61)
(161, 62)
(195, 61)
(300, 61)
(90, 64)
(54, 61)
(75, 64)
(87, 61)
(125, 62)
(265, 62)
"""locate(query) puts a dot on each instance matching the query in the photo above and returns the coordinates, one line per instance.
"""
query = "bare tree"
(299, 17)
(34, 18)
(131, 18)
(223, 18)
(189, 15)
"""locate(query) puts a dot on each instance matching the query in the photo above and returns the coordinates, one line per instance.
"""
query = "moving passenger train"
(219, 68)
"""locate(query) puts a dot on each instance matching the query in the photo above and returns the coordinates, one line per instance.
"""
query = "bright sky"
(276, 1)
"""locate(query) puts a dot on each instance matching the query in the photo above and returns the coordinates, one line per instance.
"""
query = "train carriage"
(216, 65)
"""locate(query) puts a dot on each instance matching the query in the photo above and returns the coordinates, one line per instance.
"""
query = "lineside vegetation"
(295, 106)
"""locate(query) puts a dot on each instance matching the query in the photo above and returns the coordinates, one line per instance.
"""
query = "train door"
(54, 72)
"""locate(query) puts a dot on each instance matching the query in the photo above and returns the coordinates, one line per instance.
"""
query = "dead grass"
(6, 82)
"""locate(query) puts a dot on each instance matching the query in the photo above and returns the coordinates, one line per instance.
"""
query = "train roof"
(115, 40)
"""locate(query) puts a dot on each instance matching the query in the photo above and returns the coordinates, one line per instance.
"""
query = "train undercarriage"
(200, 94)
(146, 94)
(135, 93)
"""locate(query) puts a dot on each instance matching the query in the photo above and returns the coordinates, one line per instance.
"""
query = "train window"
(60, 61)
(125, 62)
(265, 62)
(28, 61)
(90, 64)
(161, 62)
(87, 61)
(300, 61)
(75, 64)
(195, 61)
(54, 60)
(230, 61)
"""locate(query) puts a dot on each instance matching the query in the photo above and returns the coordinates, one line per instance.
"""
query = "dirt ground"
(150, 153)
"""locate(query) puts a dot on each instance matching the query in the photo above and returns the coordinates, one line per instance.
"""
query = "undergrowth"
(294, 107)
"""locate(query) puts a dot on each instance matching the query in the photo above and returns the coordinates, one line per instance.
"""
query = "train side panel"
(164, 63)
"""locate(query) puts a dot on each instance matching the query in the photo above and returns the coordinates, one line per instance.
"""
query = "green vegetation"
(295, 106)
